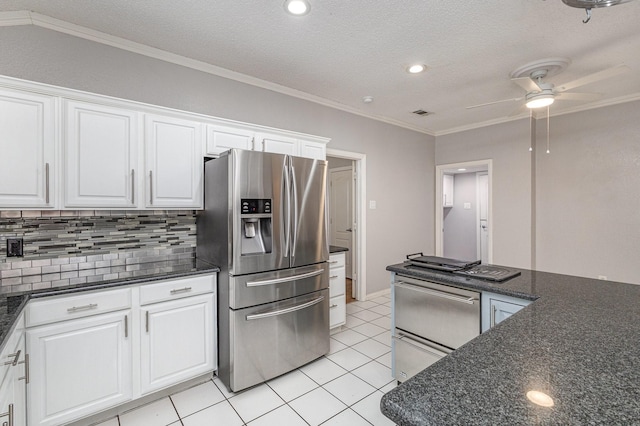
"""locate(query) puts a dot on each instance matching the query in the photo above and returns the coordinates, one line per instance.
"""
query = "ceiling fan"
(542, 94)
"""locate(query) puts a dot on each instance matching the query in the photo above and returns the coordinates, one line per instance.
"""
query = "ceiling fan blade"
(520, 110)
(572, 96)
(527, 84)
(592, 78)
(495, 102)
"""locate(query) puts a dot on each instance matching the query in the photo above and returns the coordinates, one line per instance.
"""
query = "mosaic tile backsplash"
(94, 246)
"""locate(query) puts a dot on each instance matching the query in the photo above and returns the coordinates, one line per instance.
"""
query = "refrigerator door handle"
(286, 226)
(295, 211)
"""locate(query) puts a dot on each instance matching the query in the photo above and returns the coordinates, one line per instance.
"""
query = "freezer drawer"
(413, 355)
(266, 287)
(275, 338)
(447, 315)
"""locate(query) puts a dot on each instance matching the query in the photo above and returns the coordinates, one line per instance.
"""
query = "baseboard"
(384, 292)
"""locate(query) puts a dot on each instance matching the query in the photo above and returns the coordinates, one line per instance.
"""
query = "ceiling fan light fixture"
(539, 100)
(588, 4)
(297, 7)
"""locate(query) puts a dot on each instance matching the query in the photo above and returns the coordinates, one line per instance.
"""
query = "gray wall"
(400, 162)
(508, 146)
(334, 162)
(588, 194)
(460, 239)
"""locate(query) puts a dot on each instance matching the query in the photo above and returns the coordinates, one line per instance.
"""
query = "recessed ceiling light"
(297, 7)
(367, 99)
(416, 68)
(462, 170)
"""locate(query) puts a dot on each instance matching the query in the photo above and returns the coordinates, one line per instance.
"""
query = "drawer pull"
(333, 306)
(333, 261)
(82, 308)
(180, 290)
(26, 369)
(333, 277)
(286, 310)
(15, 356)
(8, 414)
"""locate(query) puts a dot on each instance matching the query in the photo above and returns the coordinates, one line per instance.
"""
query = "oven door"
(275, 338)
(445, 315)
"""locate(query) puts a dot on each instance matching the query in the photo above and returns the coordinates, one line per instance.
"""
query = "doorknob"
(348, 229)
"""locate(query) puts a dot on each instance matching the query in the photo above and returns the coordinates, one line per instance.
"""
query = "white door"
(177, 341)
(174, 163)
(483, 210)
(27, 150)
(101, 150)
(79, 367)
(341, 211)
(222, 138)
(276, 144)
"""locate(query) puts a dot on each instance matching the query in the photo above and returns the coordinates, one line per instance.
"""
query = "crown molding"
(26, 17)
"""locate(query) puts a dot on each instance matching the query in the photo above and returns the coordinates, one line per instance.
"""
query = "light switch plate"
(372, 205)
(467, 206)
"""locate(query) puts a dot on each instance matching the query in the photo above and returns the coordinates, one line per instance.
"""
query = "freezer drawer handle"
(284, 280)
(285, 311)
(409, 341)
(467, 300)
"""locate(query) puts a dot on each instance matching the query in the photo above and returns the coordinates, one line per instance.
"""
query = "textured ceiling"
(344, 50)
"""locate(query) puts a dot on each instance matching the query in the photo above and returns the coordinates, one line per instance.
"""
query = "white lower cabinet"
(497, 308)
(176, 341)
(337, 284)
(13, 398)
(79, 367)
(86, 349)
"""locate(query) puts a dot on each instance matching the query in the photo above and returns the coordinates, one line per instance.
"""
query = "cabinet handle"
(333, 306)
(180, 290)
(494, 308)
(333, 261)
(146, 321)
(333, 277)
(26, 369)
(263, 144)
(150, 187)
(253, 144)
(126, 326)
(9, 414)
(46, 183)
(133, 187)
(82, 308)
(15, 356)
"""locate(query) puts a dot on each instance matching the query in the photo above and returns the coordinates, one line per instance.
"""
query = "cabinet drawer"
(70, 307)
(337, 311)
(176, 289)
(336, 282)
(336, 260)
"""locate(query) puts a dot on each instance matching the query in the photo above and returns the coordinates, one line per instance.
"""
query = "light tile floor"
(342, 388)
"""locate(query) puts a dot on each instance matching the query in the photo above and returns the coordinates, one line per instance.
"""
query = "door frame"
(478, 230)
(439, 219)
(353, 198)
(359, 263)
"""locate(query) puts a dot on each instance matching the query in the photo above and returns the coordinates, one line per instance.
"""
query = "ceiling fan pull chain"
(530, 129)
(548, 130)
(588, 10)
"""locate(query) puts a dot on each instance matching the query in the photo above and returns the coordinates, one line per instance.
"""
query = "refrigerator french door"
(264, 224)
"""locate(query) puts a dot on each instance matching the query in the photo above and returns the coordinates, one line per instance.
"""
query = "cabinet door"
(313, 150)
(276, 144)
(20, 383)
(101, 146)
(174, 163)
(79, 367)
(221, 139)
(28, 148)
(501, 310)
(447, 190)
(177, 341)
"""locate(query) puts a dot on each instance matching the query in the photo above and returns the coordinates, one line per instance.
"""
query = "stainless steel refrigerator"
(265, 225)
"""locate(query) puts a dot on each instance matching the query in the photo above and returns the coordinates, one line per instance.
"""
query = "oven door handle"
(285, 279)
(467, 300)
(286, 310)
(418, 345)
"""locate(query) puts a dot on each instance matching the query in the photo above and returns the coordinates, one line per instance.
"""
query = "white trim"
(25, 17)
(439, 221)
(360, 263)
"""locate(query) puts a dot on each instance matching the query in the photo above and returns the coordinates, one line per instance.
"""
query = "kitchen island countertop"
(579, 342)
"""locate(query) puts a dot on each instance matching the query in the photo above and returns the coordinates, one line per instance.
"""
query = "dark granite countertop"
(11, 304)
(579, 342)
(337, 249)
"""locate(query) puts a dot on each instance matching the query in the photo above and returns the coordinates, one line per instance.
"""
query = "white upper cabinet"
(174, 162)
(101, 153)
(223, 138)
(447, 190)
(27, 150)
(278, 144)
(312, 149)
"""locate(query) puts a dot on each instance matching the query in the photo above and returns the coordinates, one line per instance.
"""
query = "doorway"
(346, 199)
(464, 211)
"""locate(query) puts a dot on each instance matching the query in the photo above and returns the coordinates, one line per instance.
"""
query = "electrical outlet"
(14, 247)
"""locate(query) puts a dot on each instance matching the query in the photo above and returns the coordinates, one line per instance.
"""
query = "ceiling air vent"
(421, 112)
